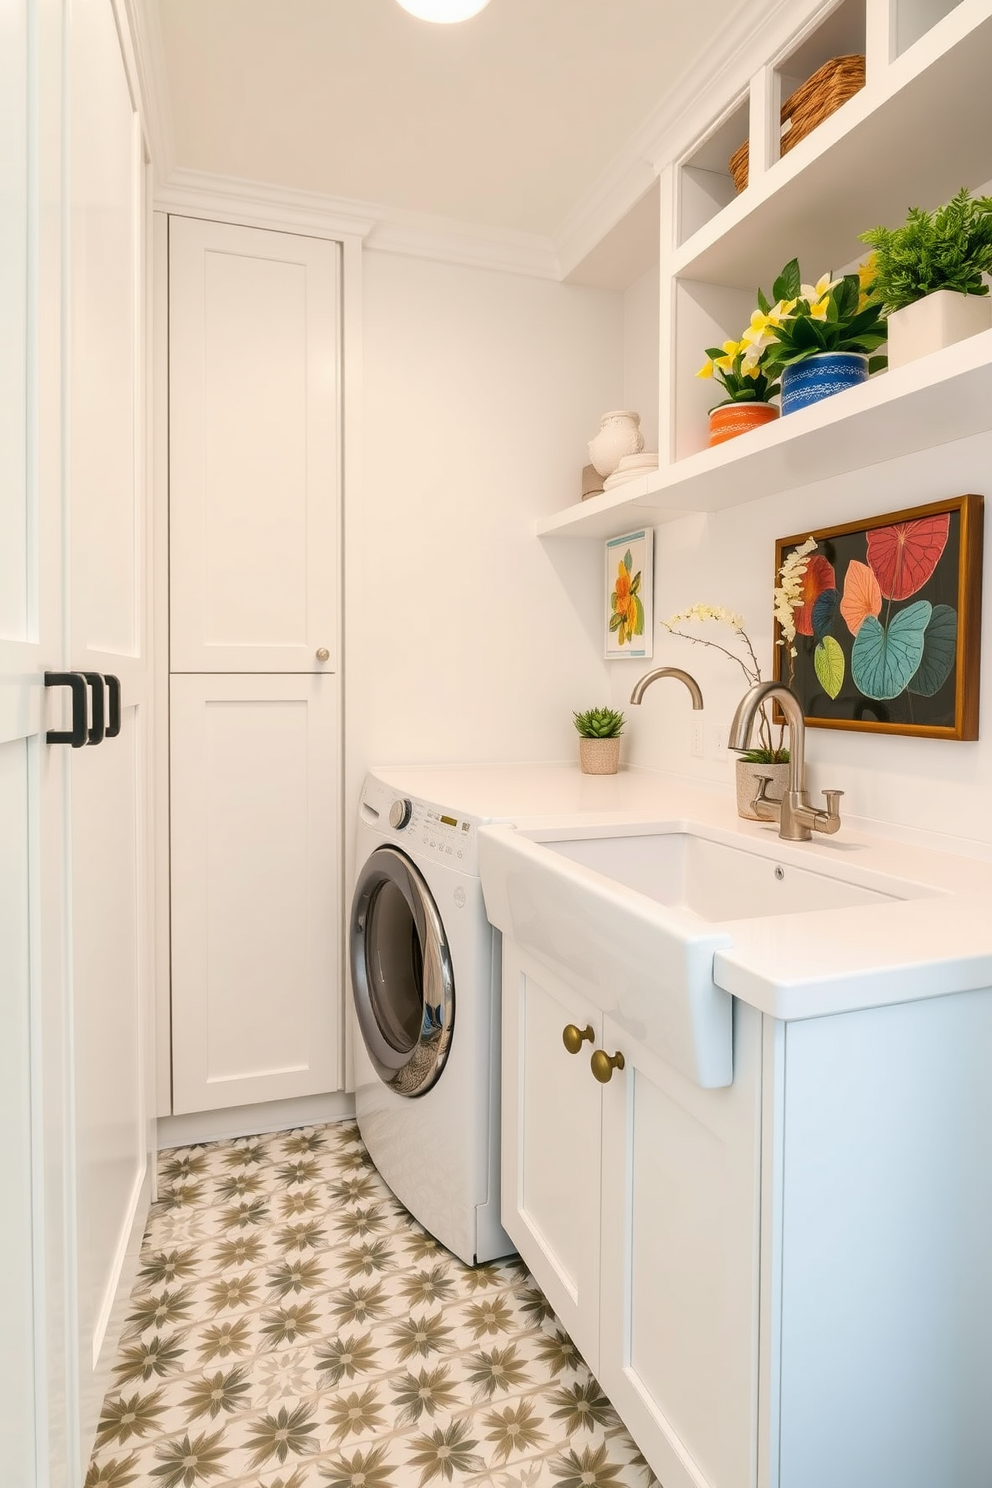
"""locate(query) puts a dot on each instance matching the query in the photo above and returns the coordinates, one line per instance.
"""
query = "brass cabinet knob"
(323, 654)
(572, 1037)
(603, 1065)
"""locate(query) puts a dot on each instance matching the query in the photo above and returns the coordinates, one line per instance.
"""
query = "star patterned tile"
(293, 1327)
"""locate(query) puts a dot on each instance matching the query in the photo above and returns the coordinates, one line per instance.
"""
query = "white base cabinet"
(255, 946)
(635, 1204)
(779, 1284)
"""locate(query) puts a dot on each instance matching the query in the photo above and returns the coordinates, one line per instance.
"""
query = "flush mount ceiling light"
(444, 11)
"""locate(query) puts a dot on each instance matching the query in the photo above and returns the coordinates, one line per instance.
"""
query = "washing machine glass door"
(401, 973)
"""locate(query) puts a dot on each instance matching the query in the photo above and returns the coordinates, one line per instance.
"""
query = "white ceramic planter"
(939, 319)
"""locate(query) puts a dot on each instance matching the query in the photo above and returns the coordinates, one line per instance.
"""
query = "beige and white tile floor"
(293, 1327)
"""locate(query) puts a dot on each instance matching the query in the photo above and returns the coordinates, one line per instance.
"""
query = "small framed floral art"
(878, 623)
(629, 591)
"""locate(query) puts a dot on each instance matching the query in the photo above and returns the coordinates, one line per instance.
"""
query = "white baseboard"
(249, 1121)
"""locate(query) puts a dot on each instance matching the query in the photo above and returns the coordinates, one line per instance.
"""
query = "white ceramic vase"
(619, 435)
(938, 320)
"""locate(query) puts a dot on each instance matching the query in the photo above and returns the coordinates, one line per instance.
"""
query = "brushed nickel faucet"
(645, 682)
(797, 818)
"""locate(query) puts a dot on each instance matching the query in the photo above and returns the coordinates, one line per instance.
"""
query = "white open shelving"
(919, 129)
(935, 400)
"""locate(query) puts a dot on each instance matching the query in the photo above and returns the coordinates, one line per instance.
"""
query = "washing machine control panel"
(434, 833)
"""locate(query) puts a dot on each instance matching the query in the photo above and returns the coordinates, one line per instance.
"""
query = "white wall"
(943, 787)
(640, 346)
(464, 640)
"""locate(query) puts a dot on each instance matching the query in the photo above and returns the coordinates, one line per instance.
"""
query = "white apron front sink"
(633, 917)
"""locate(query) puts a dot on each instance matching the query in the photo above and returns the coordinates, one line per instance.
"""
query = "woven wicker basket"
(812, 102)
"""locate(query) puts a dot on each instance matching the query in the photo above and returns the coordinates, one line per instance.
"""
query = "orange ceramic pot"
(731, 419)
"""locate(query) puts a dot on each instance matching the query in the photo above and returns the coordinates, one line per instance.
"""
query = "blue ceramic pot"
(821, 375)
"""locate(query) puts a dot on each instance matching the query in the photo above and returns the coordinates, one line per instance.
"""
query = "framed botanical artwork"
(887, 621)
(629, 594)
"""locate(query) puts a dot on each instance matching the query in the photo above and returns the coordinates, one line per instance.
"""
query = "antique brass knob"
(322, 653)
(572, 1037)
(603, 1065)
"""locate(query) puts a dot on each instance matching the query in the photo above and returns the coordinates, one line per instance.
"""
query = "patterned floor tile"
(293, 1327)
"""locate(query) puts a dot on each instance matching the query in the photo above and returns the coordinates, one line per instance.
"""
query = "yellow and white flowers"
(788, 595)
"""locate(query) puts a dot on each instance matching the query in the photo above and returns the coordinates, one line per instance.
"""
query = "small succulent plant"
(599, 723)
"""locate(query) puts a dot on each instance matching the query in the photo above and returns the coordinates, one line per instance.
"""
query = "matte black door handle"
(76, 735)
(97, 727)
(114, 699)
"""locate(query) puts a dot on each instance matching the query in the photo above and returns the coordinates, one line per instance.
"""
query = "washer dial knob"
(400, 813)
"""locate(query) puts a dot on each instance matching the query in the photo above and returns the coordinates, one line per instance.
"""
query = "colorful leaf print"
(885, 658)
(824, 611)
(828, 662)
(818, 576)
(905, 555)
(940, 641)
(862, 596)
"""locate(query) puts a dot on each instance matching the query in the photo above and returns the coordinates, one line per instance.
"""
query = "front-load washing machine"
(425, 980)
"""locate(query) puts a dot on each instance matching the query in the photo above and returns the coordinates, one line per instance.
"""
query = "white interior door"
(33, 1373)
(253, 416)
(255, 893)
(107, 525)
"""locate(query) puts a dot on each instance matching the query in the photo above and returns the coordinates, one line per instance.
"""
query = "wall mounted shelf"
(936, 400)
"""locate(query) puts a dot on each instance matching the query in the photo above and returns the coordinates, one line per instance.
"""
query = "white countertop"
(790, 966)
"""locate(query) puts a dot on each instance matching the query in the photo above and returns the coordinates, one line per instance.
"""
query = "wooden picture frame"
(888, 630)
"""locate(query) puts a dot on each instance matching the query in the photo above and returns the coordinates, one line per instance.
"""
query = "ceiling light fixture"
(444, 11)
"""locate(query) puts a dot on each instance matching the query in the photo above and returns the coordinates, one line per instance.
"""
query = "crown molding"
(256, 204)
(381, 229)
(478, 247)
(742, 46)
(145, 29)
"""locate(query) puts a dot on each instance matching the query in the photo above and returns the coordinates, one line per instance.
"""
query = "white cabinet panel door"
(551, 1143)
(106, 529)
(254, 454)
(256, 993)
(679, 1303)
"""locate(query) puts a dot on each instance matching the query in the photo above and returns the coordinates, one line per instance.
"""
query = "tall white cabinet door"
(255, 891)
(679, 1303)
(35, 1380)
(551, 1142)
(254, 460)
(110, 960)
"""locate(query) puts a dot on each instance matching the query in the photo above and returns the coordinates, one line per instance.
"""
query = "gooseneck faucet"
(642, 686)
(797, 818)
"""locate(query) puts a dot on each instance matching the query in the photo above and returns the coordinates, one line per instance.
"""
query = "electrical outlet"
(697, 740)
(720, 735)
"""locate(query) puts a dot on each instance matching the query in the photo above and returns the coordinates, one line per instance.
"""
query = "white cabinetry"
(253, 416)
(75, 982)
(635, 1204)
(254, 908)
(255, 692)
(782, 1283)
(919, 129)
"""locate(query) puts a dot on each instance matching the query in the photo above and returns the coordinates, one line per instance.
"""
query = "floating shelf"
(935, 400)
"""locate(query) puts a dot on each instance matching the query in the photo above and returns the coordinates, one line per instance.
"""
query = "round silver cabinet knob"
(323, 654)
(400, 812)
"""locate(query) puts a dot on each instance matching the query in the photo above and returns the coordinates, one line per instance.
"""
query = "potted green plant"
(599, 731)
(929, 275)
(819, 337)
(770, 758)
(740, 368)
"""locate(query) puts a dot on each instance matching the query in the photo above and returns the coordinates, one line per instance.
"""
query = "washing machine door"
(401, 973)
